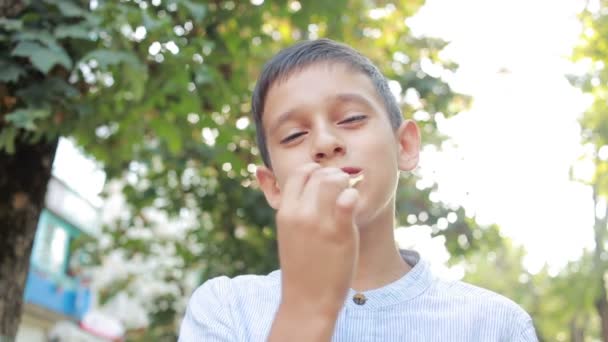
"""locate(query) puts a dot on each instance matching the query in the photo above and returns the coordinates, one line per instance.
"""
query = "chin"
(364, 217)
(369, 214)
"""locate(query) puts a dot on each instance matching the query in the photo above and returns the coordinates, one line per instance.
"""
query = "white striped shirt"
(417, 307)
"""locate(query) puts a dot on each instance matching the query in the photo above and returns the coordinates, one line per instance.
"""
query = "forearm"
(291, 324)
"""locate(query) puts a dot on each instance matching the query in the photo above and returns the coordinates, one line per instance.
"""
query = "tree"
(560, 305)
(159, 93)
(35, 100)
(593, 51)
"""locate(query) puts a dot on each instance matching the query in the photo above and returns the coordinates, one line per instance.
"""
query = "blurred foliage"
(560, 305)
(572, 304)
(159, 93)
(591, 270)
(592, 53)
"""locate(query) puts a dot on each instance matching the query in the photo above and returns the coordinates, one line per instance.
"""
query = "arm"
(290, 324)
(318, 251)
(528, 333)
(207, 316)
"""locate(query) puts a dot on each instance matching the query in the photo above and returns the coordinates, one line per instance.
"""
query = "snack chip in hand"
(353, 181)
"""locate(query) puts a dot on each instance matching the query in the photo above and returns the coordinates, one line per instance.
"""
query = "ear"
(269, 186)
(408, 138)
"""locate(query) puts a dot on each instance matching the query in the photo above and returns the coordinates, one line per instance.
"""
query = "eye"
(292, 137)
(352, 119)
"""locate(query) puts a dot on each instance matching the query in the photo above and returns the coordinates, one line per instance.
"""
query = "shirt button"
(359, 299)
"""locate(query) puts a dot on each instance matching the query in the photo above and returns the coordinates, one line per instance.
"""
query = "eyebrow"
(340, 98)
(352, 97)
(284, 117)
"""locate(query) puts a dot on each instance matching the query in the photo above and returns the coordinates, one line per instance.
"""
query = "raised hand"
(318, 247)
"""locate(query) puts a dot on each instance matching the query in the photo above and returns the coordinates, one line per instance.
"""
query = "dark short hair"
(304, 54)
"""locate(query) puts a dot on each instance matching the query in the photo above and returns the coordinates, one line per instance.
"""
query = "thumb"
(345, 207)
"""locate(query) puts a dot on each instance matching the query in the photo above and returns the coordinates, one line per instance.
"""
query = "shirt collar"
(411, 285)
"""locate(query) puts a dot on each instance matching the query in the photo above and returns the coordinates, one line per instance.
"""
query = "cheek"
(383, 150)
(284, 164)
(383, 160)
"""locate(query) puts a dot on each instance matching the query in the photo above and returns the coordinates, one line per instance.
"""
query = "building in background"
(58, 300)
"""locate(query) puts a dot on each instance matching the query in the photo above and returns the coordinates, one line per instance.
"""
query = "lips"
(352, 171)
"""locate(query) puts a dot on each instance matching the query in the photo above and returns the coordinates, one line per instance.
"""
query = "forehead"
(314, 86)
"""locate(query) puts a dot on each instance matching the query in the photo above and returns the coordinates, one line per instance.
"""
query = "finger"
(320, 180)
(323, 189)
(296, 181)
(345, 208)
(315, 179)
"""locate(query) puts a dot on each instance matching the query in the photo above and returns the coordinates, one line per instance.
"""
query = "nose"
(326, 145)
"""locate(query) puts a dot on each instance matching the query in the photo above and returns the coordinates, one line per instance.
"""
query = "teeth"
(353, 181)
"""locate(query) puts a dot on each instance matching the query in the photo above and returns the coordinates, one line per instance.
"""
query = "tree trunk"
(601, 302)
(577, 332)
(602, 308)
(23, 182)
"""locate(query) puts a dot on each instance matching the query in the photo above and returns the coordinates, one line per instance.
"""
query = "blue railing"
(60, 294)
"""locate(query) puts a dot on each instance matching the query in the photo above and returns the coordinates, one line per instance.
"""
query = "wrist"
(295, 322)
(302, 309)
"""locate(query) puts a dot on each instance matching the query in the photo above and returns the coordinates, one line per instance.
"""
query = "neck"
(379, 260)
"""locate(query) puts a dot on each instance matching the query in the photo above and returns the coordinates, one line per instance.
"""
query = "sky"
(510, 154)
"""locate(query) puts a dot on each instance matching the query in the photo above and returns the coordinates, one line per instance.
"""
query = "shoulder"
(488, 307)
(219, 309)
(476, 296)
(225, 288)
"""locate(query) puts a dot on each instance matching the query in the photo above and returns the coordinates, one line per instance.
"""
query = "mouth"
(352, 171)
(356, 175)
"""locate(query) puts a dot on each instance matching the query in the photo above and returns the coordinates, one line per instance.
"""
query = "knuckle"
(335, 180)
(325, 171)
(325, 181)
(310, 169)
(281, 217)
(293, 217)
(303, 216)
(342, 177)
(333, 234)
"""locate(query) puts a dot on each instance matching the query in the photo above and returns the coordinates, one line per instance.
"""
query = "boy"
(333, 141)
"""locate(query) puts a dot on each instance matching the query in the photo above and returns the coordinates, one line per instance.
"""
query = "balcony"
(60, 294)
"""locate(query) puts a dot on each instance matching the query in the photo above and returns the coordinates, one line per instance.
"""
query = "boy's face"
(332, 115)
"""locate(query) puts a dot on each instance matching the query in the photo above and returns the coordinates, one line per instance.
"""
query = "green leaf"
(36, 136)
(106, 58)
(41, 57)
(24, 118)
(69, 9)
(198, 11)
(136, 78)
(7, 139)
(169, 133)
(202, 75)
(41, 36)
(51, 90)
(149, 22)
(11, 24)
(72, 31)
(9, 71)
